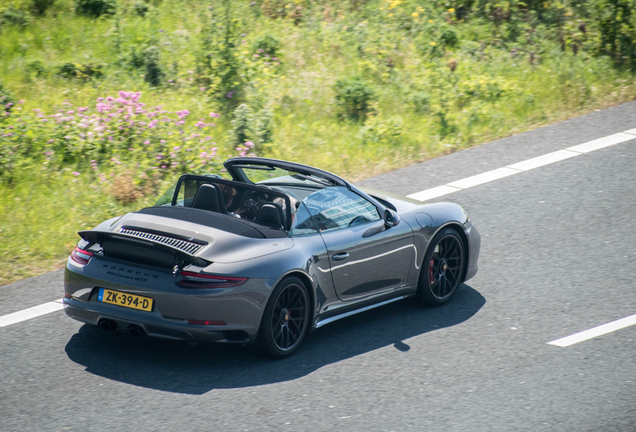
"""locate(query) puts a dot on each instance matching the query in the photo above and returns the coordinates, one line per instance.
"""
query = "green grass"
(499, 87)
(39, 218)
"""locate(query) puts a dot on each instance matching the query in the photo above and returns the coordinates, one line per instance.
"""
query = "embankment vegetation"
(103, 102)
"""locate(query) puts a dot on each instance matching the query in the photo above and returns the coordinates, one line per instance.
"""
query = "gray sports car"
(279, 250)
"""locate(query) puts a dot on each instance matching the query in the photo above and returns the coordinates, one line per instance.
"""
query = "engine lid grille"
(190, 246)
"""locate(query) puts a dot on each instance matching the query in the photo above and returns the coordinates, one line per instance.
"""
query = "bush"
(241, 130)
(154, 74)
(616, 22)
(263, 128)
(385, 131)
(141, 8)
(132, 58)
(39, 7)
(354, 98)
(34, 69)
(267, 45)
(420, 101)
(218, 60)
(6, 100)
(95, 8)
(116, 134)
(448, 37)
(85, 72)
(16, 17)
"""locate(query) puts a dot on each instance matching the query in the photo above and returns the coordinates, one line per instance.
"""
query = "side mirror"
(391, 218)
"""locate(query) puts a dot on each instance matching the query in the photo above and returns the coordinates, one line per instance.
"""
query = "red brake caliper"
(431, 277)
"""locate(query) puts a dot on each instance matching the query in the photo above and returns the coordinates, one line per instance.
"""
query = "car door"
(366, 257)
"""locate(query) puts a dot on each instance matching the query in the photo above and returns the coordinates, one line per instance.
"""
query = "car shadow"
(196, 369)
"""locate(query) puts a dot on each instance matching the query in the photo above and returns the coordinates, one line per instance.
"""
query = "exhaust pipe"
(136, 331)
(107, 325)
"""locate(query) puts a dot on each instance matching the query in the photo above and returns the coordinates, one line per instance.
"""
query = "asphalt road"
(558, 257)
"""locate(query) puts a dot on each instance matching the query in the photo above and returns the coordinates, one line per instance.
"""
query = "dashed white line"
(602, 142)
(526, 165)
(33, 312)
(594, 332)
(544, 160)
(484, 178)
(433, 193)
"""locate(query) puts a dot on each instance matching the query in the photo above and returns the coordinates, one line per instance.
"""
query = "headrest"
(271, 214)
(208, 198)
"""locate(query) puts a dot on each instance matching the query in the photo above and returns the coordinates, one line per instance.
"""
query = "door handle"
(340, 256)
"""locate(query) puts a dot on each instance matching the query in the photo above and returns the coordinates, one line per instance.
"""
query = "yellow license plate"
(126, 300)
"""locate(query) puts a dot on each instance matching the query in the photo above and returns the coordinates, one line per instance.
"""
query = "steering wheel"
(251, 201)
(358, 220)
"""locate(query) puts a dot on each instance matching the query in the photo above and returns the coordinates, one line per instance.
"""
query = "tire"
(286, 319)
(442, 269)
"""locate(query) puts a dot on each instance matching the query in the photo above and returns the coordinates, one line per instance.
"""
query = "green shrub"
(263, 128)
(385, 131)
(141, 8)
(6, 101)
(15, 17)
(39, 7)
(241, 128)
(616, 22)
(95, 8)
(354, 98)
(219, 66)
(486, 88)
(85, 72)
(154, 74)
(34, 69)
(449, 37)
(267, 44)
(420, 101)
(132, 58)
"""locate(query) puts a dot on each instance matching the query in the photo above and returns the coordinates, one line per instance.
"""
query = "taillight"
(198, 280)
(81, 256)
(202, 322)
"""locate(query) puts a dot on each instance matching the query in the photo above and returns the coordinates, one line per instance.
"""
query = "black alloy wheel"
(442, 268)
(286, 319)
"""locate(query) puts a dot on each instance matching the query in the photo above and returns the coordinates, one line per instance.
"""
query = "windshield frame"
(235, 167)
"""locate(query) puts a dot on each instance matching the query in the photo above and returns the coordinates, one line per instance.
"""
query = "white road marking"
(544, 160)
(526, 165)
(602, 142)
(484, 178)
(433, 193)
(424, 195)
(594, 332)
(33, 312)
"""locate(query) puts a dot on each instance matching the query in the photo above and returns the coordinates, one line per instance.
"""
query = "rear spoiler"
(151, 251)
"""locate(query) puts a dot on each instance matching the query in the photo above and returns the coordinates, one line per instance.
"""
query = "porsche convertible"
(265, 257)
